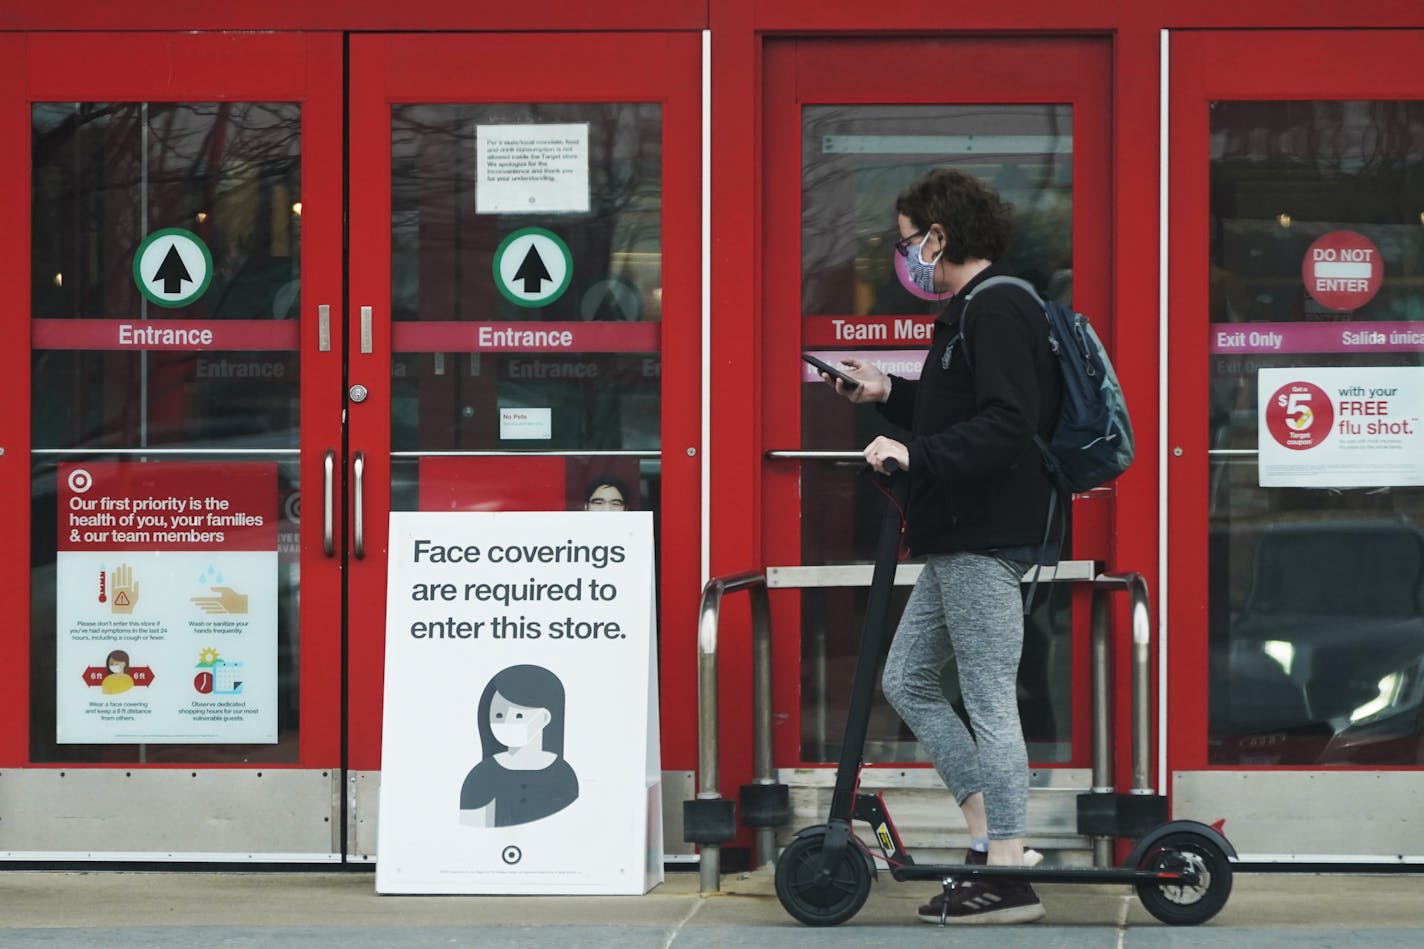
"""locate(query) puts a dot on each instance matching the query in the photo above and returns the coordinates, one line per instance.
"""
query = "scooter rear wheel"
(1186, 905)
(820, 896)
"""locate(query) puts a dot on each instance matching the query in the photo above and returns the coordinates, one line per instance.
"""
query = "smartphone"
(830, 370)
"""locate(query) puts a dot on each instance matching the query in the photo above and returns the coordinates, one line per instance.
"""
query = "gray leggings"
(967, 606)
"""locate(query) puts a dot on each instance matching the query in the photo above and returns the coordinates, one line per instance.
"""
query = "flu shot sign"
(166, 603)
(1341, 428)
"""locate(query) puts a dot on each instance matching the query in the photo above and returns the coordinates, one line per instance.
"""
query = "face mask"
(116, 670)
(516, 734)
(920, 272)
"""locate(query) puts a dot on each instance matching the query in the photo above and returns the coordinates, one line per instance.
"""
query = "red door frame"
(15, 426)
(547, 67)
(1206, 67)
(373, 15)
(798, 73)
(292, 67)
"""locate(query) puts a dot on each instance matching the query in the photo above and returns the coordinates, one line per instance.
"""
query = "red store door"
(253, 295)
(580, 313)
(172, 263)
(1296, 513)
(841, 144)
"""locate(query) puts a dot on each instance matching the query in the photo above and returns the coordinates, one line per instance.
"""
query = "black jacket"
(977, 481)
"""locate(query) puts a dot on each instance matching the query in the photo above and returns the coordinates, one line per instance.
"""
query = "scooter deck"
(941, 872)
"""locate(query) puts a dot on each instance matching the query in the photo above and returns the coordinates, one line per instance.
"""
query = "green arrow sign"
(173, 267)
(533, 267)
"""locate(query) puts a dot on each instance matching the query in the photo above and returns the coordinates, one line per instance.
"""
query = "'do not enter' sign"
(1342, 270)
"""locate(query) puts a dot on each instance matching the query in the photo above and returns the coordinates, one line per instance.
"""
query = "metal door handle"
(328, 503)
(358, 469)
(323, 328)
(796, 454)
(365, 329)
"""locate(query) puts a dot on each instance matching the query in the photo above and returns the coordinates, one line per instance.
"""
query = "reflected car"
(1324, 661)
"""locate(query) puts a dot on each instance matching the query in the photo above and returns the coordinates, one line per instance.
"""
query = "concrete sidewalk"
(228, 910)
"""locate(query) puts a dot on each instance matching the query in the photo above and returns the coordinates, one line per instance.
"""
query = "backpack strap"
(1043, 550)
(1000, 280)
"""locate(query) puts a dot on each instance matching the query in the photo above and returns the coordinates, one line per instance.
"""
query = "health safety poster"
(166, 603)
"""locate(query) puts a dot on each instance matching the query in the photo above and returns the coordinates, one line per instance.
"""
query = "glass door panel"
(853, 147)
(1314, 673)
(481, 378)
(106, 398)
(525, 302)
(856, 302)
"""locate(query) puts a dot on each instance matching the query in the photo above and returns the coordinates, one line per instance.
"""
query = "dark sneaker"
(933, 911)
(992, 901)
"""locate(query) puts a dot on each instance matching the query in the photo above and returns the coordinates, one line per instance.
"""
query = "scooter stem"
(872, 637)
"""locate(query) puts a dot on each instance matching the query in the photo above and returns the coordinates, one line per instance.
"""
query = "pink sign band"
(169, 335)
(1353, 337)
(284, 336)
(905, 363)
(545, 337)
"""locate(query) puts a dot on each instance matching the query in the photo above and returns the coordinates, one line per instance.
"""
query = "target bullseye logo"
(511, 855)
(292, 507)
(1299, 415)
(80, 481)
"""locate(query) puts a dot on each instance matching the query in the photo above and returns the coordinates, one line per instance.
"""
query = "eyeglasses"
(606, 502)
(902, 246)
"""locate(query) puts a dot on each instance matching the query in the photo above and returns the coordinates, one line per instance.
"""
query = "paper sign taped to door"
(531, 169)
(1340, 427)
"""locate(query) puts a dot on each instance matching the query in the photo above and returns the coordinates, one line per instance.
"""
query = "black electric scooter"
(1181, 870)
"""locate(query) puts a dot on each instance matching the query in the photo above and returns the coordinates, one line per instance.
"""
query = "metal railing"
(708, 745)
(1140, 604)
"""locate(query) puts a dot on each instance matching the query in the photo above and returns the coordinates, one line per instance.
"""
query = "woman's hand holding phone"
(868, 383)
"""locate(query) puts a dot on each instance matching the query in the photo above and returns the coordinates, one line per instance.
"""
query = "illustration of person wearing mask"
(523, 776)
(118, 680)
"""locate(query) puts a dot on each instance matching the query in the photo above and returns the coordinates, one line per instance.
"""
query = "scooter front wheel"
(821, 895)
(1193, 853)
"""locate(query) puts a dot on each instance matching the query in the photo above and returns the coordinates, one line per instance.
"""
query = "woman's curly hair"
(978, 224)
